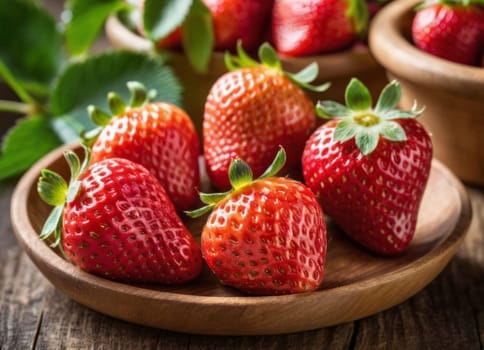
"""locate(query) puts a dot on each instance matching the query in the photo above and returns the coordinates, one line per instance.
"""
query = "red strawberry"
(234, 20)
(250, 112)
(115, 220)
(266, 236)
(369, 167)
(452, 31)
(157, 135)
(308, 27)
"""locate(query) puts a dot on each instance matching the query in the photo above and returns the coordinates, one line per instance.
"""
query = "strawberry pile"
(120, 214)
(451, 29)
(293, 27)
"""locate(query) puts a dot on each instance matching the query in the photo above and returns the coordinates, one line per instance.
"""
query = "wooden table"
(447, 314)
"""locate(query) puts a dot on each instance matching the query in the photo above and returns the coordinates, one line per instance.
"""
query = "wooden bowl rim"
(389, 47)
(72, 277)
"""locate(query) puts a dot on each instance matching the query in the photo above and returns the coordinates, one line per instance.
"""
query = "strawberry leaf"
(276, 164)
(162, 17)
(307, 74)
(267, 55)
(357, 96)
(345, 130)
(30, 44)
(328, 109)
(87, 20)
(393, 131)
(197, 36)
(358, 11)
(367, 140)
(240, 173)
(52, 188)
(389, 97)
(25, 143)
(89, 81)
(52, 222)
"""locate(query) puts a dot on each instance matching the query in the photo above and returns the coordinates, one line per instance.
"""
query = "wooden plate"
(356, 284)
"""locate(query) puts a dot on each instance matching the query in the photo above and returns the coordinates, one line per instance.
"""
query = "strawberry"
(369, 167)
(452, 30)
(115, 220)
(157, 135)
(266, 236)
(308, 27)
(252, 110)
(234, 20)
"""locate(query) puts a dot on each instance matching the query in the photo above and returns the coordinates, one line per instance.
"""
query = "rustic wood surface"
(447, 314)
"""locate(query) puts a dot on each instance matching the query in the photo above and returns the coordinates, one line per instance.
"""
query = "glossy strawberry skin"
(123, 226)
(451, 32)
(375, 198)
(267, 238)
(162, 138)
(249, 113)
(301, 27)
(233, 20)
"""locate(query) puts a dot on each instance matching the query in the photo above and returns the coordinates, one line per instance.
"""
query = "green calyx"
(118, 107)
(359, 120)
(269, 58)
(358, 12)
(240, 175)
(53, 190)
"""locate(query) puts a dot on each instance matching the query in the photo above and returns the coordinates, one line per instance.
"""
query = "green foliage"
(54, 88)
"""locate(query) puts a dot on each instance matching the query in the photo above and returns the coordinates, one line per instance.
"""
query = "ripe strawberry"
(266, 236)
(157, 135)
(115, 220)
(308, 27)
(250, 112)
(234, 20)
(369, 167)
(450, 30)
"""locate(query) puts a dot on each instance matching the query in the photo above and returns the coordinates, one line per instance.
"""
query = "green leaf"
(30, 44)
(74, 163)
(393, 131)
(400, 114)
(267, 55)
(139, 94)
(327, 109)
(367, 140)
(357, 96)
(276, 165)
(345, 130)
(117, 106)
(358, 12)
(307, 74)
(162, 17)
(25, 143)
(52, 222)
(198, 37)
(240, 173)
(52, 188)
(199, 212)
(87, 20)
(89, 81)
(213, 198)
(98, 116)
(389, 97)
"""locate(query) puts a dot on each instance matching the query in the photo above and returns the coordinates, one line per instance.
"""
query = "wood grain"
(414, 324)
(357, 284)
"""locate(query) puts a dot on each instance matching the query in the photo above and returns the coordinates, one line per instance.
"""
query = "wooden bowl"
(452, 93)
(356, 283)
(337, 68)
